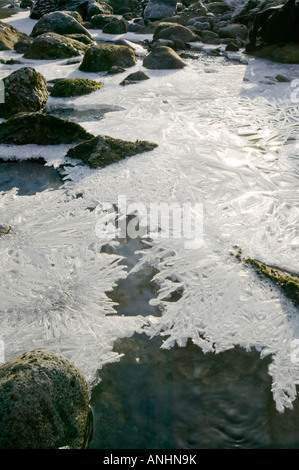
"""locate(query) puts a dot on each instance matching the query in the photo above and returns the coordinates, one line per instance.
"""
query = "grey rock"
(135, 78)
(158, 9)
(233, 31)
(4, 229)
(117, 26)
(60, 23)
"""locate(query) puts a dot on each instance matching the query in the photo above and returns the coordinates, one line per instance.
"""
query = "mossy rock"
(287, 281)
(9, 36)
(104, 150)
(41, 129)
(65, 87)
(101, 20)
(178, 31)
(98, 8)
(44, 403)
(117, 26)
(102, 57)
(50, 46)
(25, 91)
(163, 57)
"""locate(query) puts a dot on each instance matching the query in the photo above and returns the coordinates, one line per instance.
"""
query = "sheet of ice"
(227, 138)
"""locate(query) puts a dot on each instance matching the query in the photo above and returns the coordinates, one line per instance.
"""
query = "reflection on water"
(183, 399)
(30, 176)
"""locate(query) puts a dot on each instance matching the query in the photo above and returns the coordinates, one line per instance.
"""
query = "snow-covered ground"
(227, 139)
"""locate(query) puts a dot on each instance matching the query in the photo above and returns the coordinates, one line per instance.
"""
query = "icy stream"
(227, 139)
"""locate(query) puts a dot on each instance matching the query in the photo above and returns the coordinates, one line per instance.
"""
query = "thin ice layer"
(228, 144)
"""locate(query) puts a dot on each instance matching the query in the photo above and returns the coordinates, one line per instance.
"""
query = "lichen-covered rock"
(44, 403)
(58, 22)
(163, 57)
(41, 129)
(197, 9)
(102, 57)
(135, 78)
(104, 150)
(9, 36)
(116, 26)
(65, 87)
(25, 91)
(49, 46)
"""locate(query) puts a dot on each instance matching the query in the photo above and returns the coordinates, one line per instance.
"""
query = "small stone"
(4, 229)
(282, 79)
(135, 78)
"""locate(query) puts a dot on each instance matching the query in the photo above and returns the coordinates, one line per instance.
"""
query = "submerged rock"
(163, 57)
(25, 91)
(41, 129)
(104, 150)
(102, 57)
(54, 46)
(65, 87)
(60, 23)
(44, 403)
(9, 36)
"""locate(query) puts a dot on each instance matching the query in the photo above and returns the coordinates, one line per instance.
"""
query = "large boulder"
(277, 24)
(9, 36)
(25, 91)
(163, 57)
(104, 150)
(54, 46)
(102, 57)
(60, 23)
(41, 129)
(44, 403)
(158, 9)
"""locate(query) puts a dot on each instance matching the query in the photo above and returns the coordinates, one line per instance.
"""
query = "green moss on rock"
(102, 57)
(104, 150)
(44, 403)
(287, 281)
(41, 129)
(65, 87)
